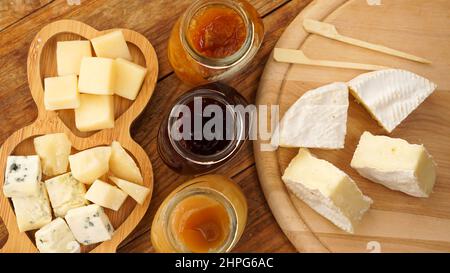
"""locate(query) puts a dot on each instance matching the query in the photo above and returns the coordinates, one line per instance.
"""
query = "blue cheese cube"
(89, 224)
(56, 237)
(65, 193)
(32, 212)
(22, 176)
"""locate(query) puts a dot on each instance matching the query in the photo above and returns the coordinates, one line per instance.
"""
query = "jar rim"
(189, 191)
(217, 63)
(239, 132)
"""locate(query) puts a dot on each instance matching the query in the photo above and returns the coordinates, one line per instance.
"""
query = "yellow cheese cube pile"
(110, 72)
(64, 193)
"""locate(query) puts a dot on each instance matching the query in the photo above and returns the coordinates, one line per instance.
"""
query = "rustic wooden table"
(20, 20)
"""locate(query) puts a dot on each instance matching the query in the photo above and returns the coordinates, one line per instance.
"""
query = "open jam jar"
(205, 214)
(205, 127)
(214, 39)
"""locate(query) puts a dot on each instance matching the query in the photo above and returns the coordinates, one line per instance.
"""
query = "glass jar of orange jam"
(205, 214)
(214, 39)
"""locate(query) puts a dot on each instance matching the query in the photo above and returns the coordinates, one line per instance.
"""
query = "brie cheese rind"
(318, 119)
(390, 95)
(396, 164)
(326, 189)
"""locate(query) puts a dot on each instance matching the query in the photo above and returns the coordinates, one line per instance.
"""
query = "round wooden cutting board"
(396, 222)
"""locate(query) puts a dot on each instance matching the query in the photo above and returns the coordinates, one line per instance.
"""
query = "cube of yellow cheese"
(137, 192)
(96, 112)
(69, 55)
(111, 45)
(61, 93)
(88, 165)
(106, 195)
(54, 151)
(96, 76)
(129, 78)
(122, 164)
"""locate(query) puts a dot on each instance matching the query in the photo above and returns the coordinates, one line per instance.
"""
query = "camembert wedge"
(318, 119)
(390, 95)
(326, 189)
(396, 164)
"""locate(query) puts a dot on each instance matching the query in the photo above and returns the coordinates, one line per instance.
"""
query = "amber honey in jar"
(206, 214)
(214, 39)
(183, 142)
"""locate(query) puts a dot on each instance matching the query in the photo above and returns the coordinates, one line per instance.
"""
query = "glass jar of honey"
(206, 214)
(214, 39)
(205, 128)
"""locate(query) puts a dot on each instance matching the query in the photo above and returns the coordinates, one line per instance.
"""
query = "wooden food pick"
(329, 31)
(298, 57)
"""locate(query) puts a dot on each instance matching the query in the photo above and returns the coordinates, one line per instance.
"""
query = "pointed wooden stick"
(298, 57)
(329, 31)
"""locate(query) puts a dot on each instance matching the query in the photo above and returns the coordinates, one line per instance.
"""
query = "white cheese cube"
(61, 93)
(111, 45)
(122, 164)
(396, 164)
(89, 224)
(69, 55)
(56, 237)
(137, 192)
(32, 212)
(326, 189)
(95, 113)
(65, 193)
(105, 195)
(22, 176)
(54, 151)
(96, 76)
(88, 165)
(129, 78)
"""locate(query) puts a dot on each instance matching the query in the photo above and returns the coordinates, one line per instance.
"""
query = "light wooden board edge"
(49, 122)
(277, 196)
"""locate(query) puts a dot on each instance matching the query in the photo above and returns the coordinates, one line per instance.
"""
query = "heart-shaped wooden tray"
(41, 63)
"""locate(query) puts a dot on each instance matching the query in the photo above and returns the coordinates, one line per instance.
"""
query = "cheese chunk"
(105, 195)
(396, 164)
(65, 193)
(95, 113)
(137, 192)
(88, 165)
(318, 119)
(32, 212)
(56, 237)
(129, 78)
(61, 93)
(89, 224)
(122, 164)
(22, 176)
(69, 55)
(111, 45)
(327, 190)
(391, 95)
(54, 151)
(96, 76)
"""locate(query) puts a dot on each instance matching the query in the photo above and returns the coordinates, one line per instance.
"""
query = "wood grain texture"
(400, 223)
(13, 10)
(20, 142)
(154, 20)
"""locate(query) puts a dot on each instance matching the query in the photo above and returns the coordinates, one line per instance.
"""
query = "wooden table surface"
(20, 20)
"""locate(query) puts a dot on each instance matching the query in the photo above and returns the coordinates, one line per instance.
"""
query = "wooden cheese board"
(396, 222)
(41, 63)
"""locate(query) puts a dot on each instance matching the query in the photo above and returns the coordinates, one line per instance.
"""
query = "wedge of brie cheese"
(396, 164)
(326, 189)
(318, 119)
(390, 95)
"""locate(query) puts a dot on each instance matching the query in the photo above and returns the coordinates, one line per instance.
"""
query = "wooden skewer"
(329, 31)
(298, 57)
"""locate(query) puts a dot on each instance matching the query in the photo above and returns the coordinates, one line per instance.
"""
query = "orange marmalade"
(205, 214)
(214, 40)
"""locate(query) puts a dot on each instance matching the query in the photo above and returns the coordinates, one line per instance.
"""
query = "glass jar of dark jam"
(205, 127)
